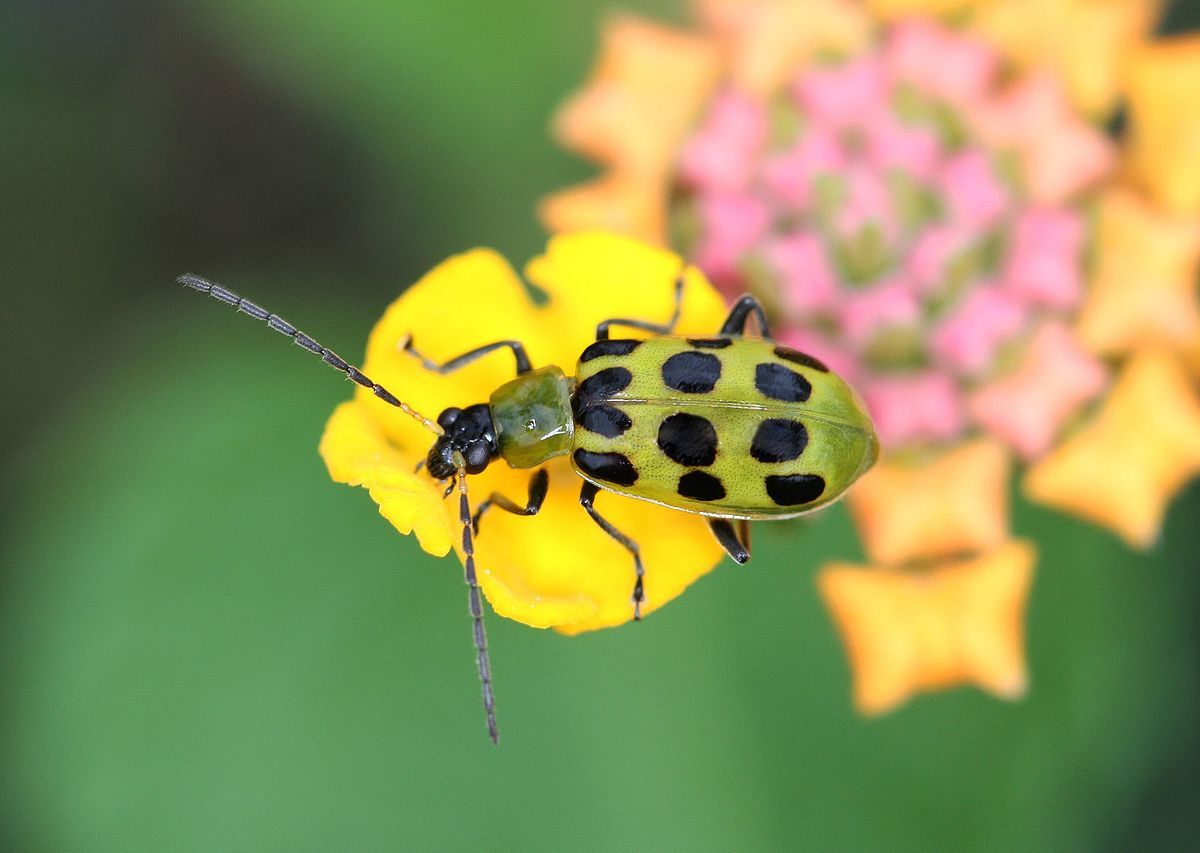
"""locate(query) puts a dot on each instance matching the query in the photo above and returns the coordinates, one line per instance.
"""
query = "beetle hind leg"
(739, 316)
(735, 542)
(587, 497)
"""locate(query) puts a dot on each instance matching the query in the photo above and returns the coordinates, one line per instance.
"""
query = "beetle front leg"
(471, 356)
(538, 485)
(587, 497)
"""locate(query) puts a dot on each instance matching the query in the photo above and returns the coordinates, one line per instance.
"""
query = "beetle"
(733, 427)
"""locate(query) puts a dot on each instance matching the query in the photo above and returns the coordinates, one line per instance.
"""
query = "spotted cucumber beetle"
(733, 427)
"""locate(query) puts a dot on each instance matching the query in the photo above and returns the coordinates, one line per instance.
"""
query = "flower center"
(890, 209)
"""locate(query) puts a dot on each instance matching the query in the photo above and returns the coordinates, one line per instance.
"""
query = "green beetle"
(732, 427)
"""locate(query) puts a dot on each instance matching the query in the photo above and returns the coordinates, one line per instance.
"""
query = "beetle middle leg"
(654, 328)
(587, 497)
(735, 323)
(459, 362)
(735, 542)
(538, 485)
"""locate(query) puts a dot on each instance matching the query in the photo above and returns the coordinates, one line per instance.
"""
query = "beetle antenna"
(475, 603)
(327, 355)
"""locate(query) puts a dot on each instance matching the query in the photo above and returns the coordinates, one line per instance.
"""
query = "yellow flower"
(556, 569)
(962, 622)
(754, 188)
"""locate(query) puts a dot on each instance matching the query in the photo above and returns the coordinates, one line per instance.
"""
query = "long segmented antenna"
(327, 355)
(475, 603)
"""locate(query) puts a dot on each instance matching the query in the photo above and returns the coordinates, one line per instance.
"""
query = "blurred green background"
(207, 645)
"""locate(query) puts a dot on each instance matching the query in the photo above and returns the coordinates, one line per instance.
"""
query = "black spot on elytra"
(781, 383)
(608, 421)
(778, 440)
(709, 343)
(688, 439)
(795, 489)
(609, 467)
(603, 384)
(700, 486)
(801, 358)
(691, 372)
(601, 348)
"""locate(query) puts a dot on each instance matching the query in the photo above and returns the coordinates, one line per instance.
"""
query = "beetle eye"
(477, 456)
(447, 418)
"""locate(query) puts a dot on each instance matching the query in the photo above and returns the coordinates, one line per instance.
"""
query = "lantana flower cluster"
(884, 206)
(927, 198)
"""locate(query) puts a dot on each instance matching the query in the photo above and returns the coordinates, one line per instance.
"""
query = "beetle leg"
(538, 484)
(734, 545)
(587, 496)
(735, 323)
(654, 328)
(518, 351)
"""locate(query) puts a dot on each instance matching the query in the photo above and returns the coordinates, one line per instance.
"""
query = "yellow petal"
(1085, 42)
(1164, 129)
(1143, 291)
(631, 206)
(767, 41)
(594, 276)
(953, 504)
(958, 623)
(641, 98)
(558, 568)
(1123, 468)
(466, 301)
(357, 452)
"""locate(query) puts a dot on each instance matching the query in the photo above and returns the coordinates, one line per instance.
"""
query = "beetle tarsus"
(736, 547)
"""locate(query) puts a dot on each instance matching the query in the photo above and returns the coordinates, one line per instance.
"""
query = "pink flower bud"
(1045, 256)
(917, 407)
(967, 339)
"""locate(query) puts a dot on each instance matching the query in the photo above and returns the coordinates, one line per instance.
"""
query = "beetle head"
(469, 433)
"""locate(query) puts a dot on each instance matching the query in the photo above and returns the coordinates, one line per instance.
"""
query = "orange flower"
(924, 193)
(954, 504)
(1124, 467)
(632, 116)
(907, 631)
(1164, 88)
(1143, 289)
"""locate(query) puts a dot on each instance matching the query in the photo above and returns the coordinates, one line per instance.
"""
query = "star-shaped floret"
(957, 623)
